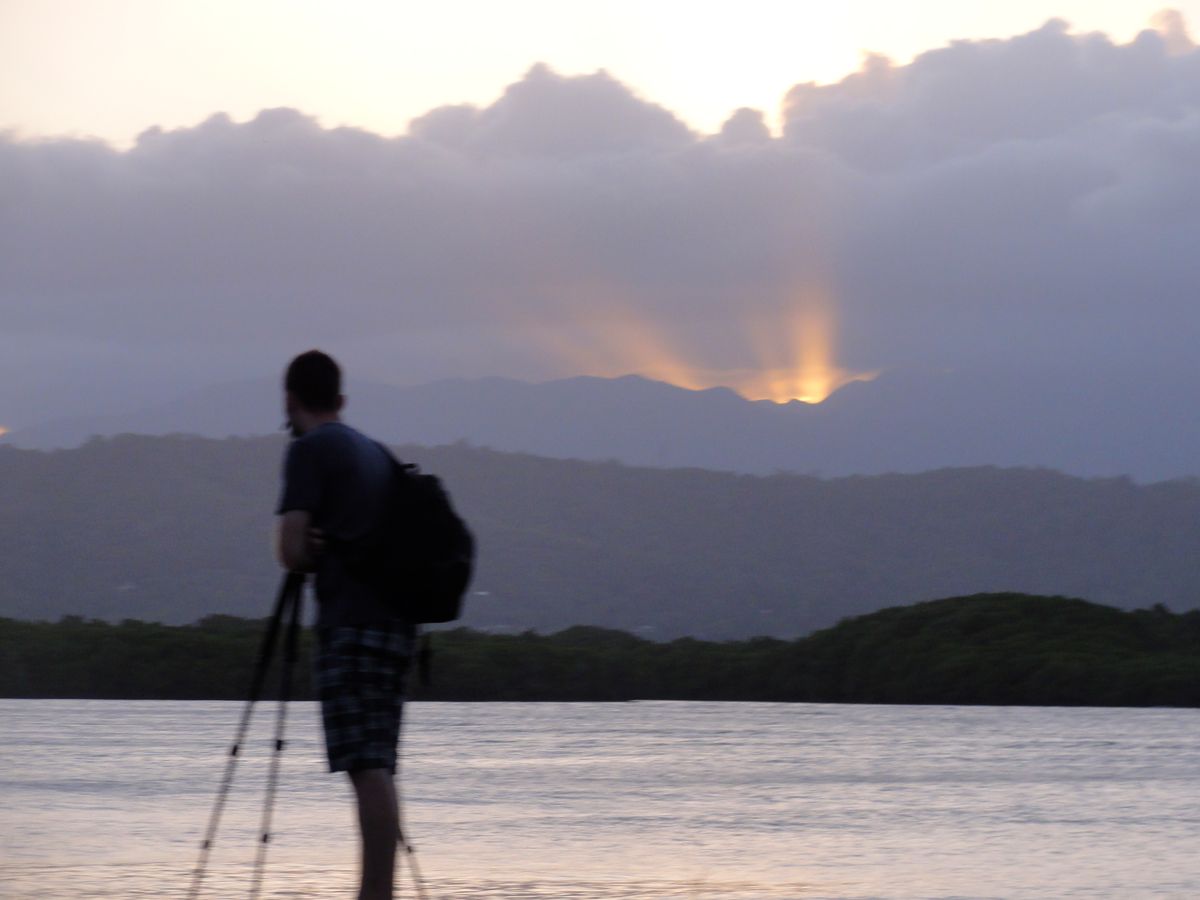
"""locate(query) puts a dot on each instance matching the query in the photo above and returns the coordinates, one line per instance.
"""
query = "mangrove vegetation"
(1013, 649)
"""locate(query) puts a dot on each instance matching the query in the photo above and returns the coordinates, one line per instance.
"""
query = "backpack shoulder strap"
(397, 463)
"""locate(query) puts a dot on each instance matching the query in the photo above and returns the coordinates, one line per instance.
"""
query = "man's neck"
(315, 422)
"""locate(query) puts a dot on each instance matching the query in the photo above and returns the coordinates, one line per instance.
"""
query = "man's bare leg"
(379, 825)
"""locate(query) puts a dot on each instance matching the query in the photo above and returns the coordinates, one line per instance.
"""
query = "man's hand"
(299, 544)
(315, 544)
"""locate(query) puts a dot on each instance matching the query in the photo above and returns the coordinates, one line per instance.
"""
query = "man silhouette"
(335, 481)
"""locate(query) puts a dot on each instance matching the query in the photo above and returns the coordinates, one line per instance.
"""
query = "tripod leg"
(409, 852)
(285, 693)
(291, 585)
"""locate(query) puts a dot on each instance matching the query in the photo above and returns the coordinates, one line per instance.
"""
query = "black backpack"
(421, 554)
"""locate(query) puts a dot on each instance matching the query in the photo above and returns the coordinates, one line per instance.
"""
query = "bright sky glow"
(796, 350)
(113, 69)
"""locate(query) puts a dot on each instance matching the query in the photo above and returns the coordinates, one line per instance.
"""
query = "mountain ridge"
(173, 528)
(905, 421)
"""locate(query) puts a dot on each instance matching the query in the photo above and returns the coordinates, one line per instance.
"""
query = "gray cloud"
(1028, 203)
(546, 115)
(1048, 217)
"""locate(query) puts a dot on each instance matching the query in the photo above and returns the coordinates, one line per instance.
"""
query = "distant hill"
(1003, 649)
(173, 528)
(901, 422)
(1006, 649)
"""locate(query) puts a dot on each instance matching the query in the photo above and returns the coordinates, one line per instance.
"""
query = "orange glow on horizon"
(3, 431)
(794, 354)
(798, 356)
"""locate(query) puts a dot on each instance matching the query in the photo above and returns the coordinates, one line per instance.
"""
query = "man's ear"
(341, 402)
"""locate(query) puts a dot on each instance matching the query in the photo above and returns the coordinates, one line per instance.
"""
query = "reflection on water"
(634, 800)
(312, 882)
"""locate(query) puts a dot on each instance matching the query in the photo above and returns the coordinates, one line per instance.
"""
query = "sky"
(774, 197)
(115, 68)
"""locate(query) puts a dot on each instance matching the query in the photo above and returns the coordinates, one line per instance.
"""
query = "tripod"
(287, 604)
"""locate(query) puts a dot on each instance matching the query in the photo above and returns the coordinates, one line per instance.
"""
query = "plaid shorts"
(361, 672)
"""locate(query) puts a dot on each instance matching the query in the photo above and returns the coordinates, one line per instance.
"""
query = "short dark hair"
(315, 380)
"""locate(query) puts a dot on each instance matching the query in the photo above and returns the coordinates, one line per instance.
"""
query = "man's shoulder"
(336, 435)
(335, 442)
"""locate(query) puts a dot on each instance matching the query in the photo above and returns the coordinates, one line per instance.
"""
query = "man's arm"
(297, 543)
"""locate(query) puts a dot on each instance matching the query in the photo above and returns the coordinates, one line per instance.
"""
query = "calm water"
(622, 800)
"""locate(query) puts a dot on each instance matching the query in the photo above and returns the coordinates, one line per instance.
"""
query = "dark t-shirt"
(341, 477)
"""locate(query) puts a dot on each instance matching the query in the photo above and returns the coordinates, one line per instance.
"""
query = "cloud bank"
(1015, 205)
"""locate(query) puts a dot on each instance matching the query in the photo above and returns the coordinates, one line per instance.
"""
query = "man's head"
(313, 390)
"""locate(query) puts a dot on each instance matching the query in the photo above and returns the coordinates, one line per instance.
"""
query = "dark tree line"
(983, 649)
